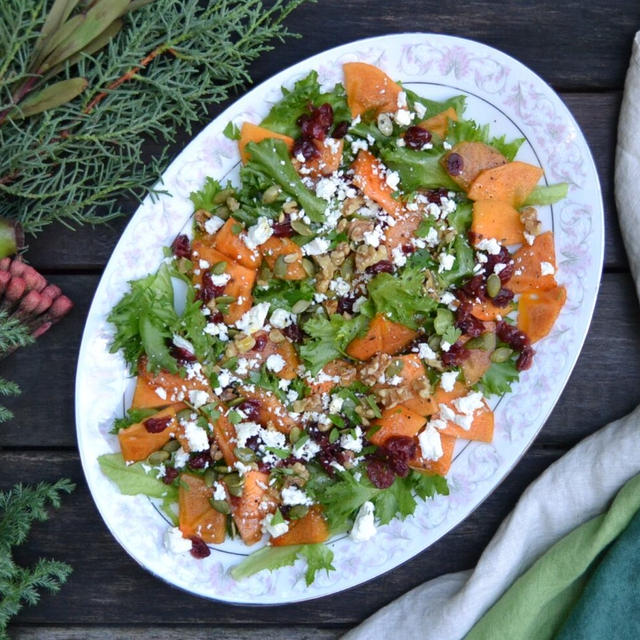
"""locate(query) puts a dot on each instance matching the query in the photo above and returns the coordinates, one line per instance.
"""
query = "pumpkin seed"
(301, 227)
(185, 414)
(246, 343)
(298, 511)
(235, 402)
(280, 269)
(233, 480)
(221, 506)
(309, 267)
(223, 212)
(502, 354)
(290, 258)
(244, 454)
(225, 299)
(486, 342)
(221, 196)
(209, 477)
(276, 336)
(394, 368)
(301, 306)
(171, 446)
(221, 468)
(290, 206)
(347, 269)
(294, 435)
(232, 203)
(236, 491)
(158, 457)
(271, 194)
(434, 342)
(493, 285)
(219, 268)
(385, 125)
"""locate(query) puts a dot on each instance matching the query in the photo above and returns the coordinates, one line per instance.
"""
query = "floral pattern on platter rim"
(514, 101)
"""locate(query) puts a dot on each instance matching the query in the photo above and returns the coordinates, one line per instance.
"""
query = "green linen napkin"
(538, 603)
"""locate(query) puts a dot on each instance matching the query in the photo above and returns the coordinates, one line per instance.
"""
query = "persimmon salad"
(379, 271)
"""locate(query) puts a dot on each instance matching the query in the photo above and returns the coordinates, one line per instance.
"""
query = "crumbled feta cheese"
(399, 257)
(242, 468)
(181, 457)
(174, 542)
(446, 261)
(393, 179)
(219, 329)
(432, 238)
(546, 269)
(469, 403)
(253, 320)
(529, 238)
(465, 422)
(275, 362)
(292, 496)
(196, 436)
(357, 305)
(246, 430)
(447, 206)
(326, 188)
(447, 298)
(316, 247)
(181, 343)
(426, 352)
(203, 264)
(258, 233)
(499, 267)
(430, 442)
(359, 145)
(281, 319)
(446, 412)
(218, 492)
(347, 441)
(490, 245)
(274, 530)
(197, 397)
(364, 526)
(420, 109)
(403, 117)
(448, 380)
(373, 237)
(213, 224)
(394, 381)
(340, 286)
(445, 346)
(401, 100)
(307, 450)
(336, 404)
(161, 393)
(220, 280)
(446, 146)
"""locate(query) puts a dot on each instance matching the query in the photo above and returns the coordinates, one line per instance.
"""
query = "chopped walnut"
(422, 387)
(326, 269)
(300, 477)
(312, 403)
(331, 306)
(351, 205)
(371, 371)
(357, 229)
(529, 217)
(214, 452)
(201, 216)
(340, 253)
(367, 255)
(392, 396)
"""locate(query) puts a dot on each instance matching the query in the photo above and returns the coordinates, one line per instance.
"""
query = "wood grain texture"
(46, 372)
(108, 587)
(597, 114)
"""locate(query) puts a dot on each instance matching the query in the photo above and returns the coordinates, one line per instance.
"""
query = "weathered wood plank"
(172, 632)
(110, 588)
(59, 248)
(46, 372)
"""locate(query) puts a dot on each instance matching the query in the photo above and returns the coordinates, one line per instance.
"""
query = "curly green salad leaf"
(418, 169)
(499, 377)
(547, 194)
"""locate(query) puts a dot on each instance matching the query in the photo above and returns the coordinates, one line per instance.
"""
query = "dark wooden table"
(582, 49)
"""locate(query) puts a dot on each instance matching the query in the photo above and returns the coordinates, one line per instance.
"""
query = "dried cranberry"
(293, 332)
(416, 137)
(316, 125)
(435, 195)
(525, 359)
(253, 443)
(467, 322)
(283, 229)
(456, 355)
(399, 450)
(199, 460)
(261, 342)
(455, 164)
(306, 148)
(199, 548)
(251, 408)
(181, 246)
(510, 334)
(345, 304)
(380, 474)
(475, 288)
(170, 474)
(216, 316)
(408, 249)
(340, 130)
(156, 425)
(502, 258)
(208, 290)
(383, 266)
(503, 297)
(182, 355)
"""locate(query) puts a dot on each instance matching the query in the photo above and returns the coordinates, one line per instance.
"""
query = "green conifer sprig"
(19, 508)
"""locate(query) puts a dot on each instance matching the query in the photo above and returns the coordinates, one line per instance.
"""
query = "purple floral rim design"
(514, 101)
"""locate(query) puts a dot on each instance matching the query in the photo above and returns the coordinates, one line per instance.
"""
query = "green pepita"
(236, 491)
(301, 306)
(309, 267)
(171, 446)
(290, 258)
(244, 454)
(271, 194)
(290, 206)
(486, 342)
(225, 300)
(158, 457)
(301, 227)
(233, 480)
(221, 506)
(502, 354)
(281, 268)
(222, 196)
(209, 477)
(493, 285)
(223, 212)
(221, 468)
(219, 268)
(294, 435)
(434, 342)
(298, 511)
(232, 203)
(385, 125)
(347, 269)
(184, 414)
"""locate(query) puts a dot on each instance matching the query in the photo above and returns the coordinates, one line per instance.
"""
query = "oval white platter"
(502, 92)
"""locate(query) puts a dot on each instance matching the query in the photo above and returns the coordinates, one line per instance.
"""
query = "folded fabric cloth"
(608, 606)
(581, 484)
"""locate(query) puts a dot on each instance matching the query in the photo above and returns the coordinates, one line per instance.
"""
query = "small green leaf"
(231, 131)
(50, 97)
(133, 479)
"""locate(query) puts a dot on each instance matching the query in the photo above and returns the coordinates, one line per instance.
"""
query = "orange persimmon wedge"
(232, 245)
(476, 157)
(383, 336)
(136, 443)
(539, 310)
(275, 248)
(483, 420)
(252, 506)
(196, 516)
(310, 529)
(440, 122)
(369, 89)
(271, 410)
(396, 421)
(511, 183)
(529, 262)
(369, 177)
(254, 133)
(436, 467)
(497, 219)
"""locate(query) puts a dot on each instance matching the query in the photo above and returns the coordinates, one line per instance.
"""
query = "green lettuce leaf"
(204, 197)
(270, 159)
(435, 107)
(418, 169)
(463, 265)
(318, 556)
(329, 338)
(401, 297)
(133, 417)
(283, 294)
(547, 194)
(498, 378)
(470, 131)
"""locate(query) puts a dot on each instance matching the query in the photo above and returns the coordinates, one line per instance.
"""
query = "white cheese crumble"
(403, 117)
(401, 100)
(470, 403)
(274, 530)
(529, 238)
(196, 437)
(181, 343)
(246, 430)
(373, 237)
(336, 404)
(364, 526)
(174, 542)
(547, 269)
(275, 362)
(490, 245)
(420, 109)
(198, 397)
(220, 280)
(347, 441)
(219, 329)
(181, 458)
(258, 233)
(448, 380)
(213, 224)
(446, 261)
(340, 286)
(393, 179)
(218, 492)
(281, 319)
(161, 393)
(316, 247)
(426, 352)
(292, 496)
(399, 257)
(430, 442)
(253, 319)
